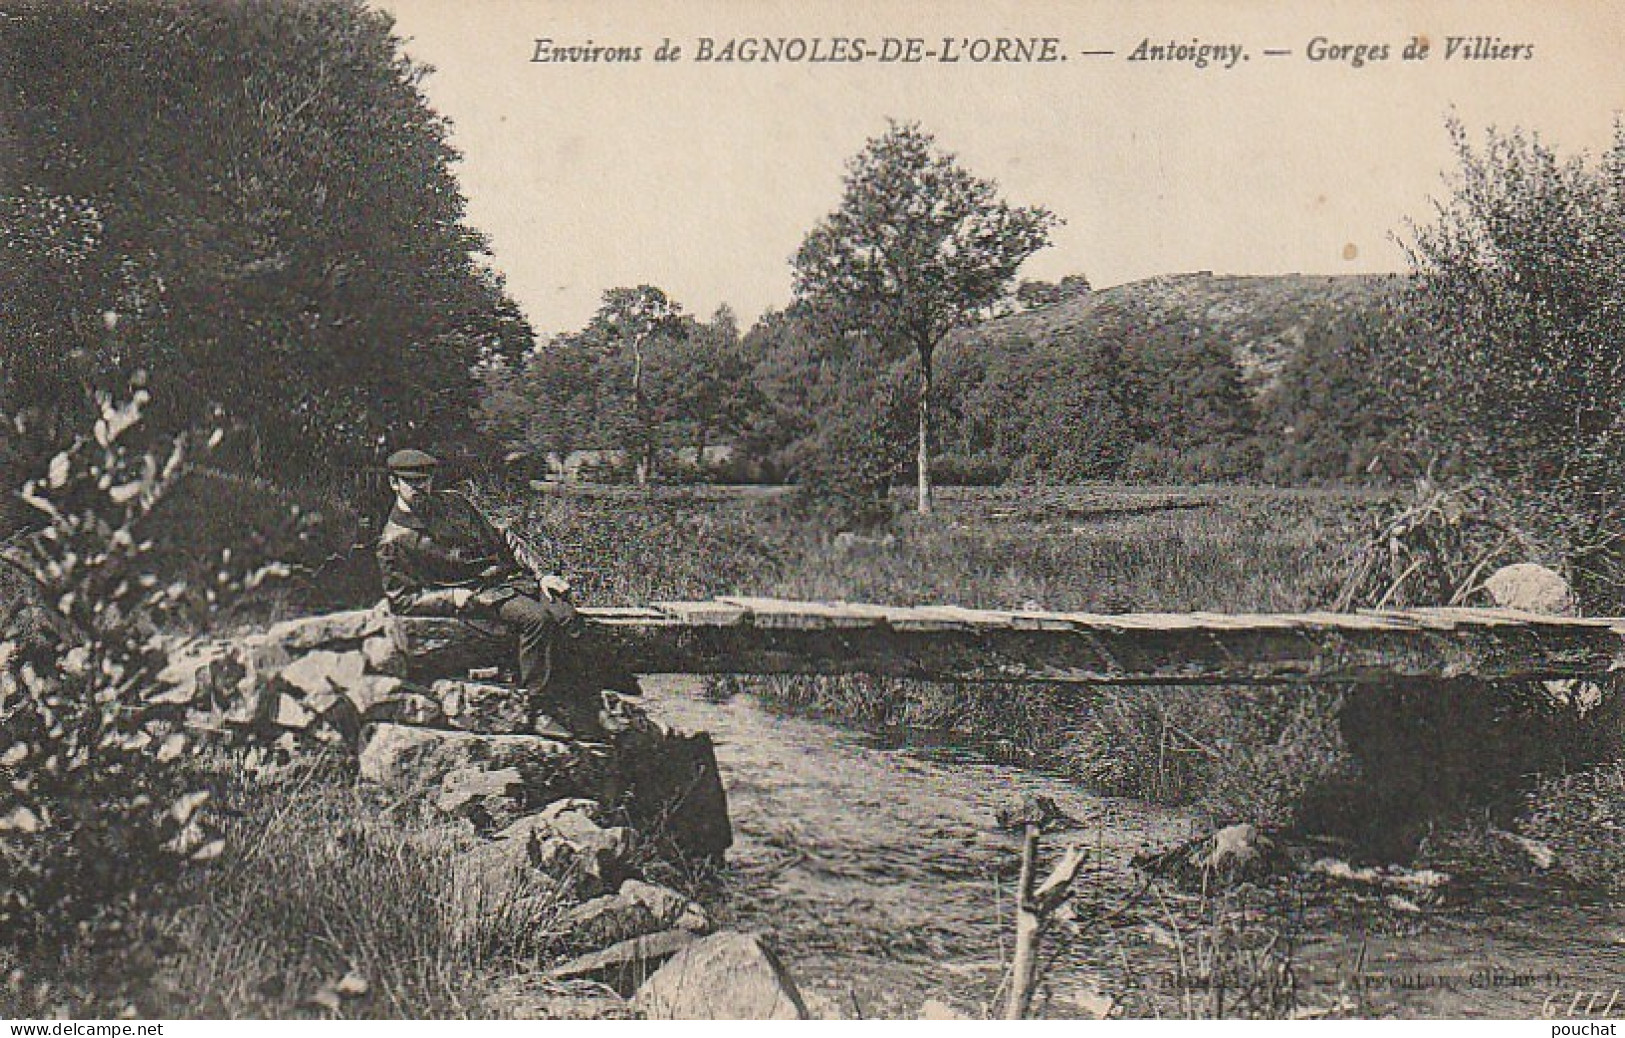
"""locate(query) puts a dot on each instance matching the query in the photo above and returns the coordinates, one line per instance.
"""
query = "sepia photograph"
(897, 510)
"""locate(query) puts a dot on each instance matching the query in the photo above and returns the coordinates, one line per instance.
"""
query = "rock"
(408, 708)
(571, 805)
(1532, 588)
(439, 646)
(328, 630)
(1540, 855)
(932, 1009)
(384, 655)
(1236, 852)
(290, 713)
(1417, 884)
(482, 706)
(240, 683)
(602, 921)
(323, 672)
(371, 690)
(189, 671)
(728, 976)
(410, 759)
(489, 799)
(626, 965)
(1536, 589)
(671, 789)
(638, 908)
(669, 908)
(570, 845)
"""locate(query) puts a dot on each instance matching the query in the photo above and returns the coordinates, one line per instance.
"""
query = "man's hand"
(555, 586)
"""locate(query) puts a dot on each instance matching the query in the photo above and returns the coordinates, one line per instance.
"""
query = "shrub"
(96, 805)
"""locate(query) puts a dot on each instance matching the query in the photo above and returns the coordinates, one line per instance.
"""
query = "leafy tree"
(1521, 278)
(703, 384)
(917, 248)
(254, 203)
(632, 325)
(1328, 417)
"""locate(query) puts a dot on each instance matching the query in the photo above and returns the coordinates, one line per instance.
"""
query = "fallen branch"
(1035, 907)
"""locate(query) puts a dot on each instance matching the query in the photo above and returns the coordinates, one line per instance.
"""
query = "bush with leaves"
(1519, 279)
(96, 802)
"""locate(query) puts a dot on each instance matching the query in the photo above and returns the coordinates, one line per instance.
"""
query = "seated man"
(440, 557)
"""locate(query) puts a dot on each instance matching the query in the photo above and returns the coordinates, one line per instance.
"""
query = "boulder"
(638, 908)
(602, 921)
(190, 671)
(408, 708)
(329, 630)
(1236, 853)
(482, 706)
(570, 845)
(1536, 589)
(411, 759)
(322, 673)
(1531, 588)
(440, 646)
(727, 976)
(243, 685)
(375, 695)
(671, 789)
(384, 655)
(626, 965)
(572, 805)
(669, 908)
(489, 799)
(290, 713)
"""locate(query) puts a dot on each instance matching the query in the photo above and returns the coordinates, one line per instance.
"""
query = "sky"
(702, 177)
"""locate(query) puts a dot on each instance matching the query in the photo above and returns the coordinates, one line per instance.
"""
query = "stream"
(881, 876)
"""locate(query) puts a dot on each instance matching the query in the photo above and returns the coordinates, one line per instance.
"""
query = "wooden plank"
(954, 644)
(811, 616)
(929, 618)
(705, 614)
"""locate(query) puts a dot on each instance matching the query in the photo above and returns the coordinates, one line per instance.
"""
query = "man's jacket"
(443, 546)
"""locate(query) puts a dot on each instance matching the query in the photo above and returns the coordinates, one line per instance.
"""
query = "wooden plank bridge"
(950, 644)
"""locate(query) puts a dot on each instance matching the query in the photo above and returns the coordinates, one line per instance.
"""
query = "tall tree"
(704, 383)
(918, 248)
(252, 201)
(631, 325)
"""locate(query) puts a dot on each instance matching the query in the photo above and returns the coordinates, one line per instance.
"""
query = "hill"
(1263, 320)
(1181, 376)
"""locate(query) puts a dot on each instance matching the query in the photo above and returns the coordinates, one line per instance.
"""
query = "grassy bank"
(333, 901)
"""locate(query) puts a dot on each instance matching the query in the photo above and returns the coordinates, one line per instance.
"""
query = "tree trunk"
(924, 464)
(639, 417)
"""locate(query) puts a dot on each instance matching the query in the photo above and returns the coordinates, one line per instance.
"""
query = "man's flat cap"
(412, 462)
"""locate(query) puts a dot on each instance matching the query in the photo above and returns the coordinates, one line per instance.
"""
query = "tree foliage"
(917, 248)
(254, 203)
(96, 802)
(1521, 278)
(643, 378)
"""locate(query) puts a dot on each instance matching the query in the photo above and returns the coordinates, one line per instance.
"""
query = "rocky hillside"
(1263, 319)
